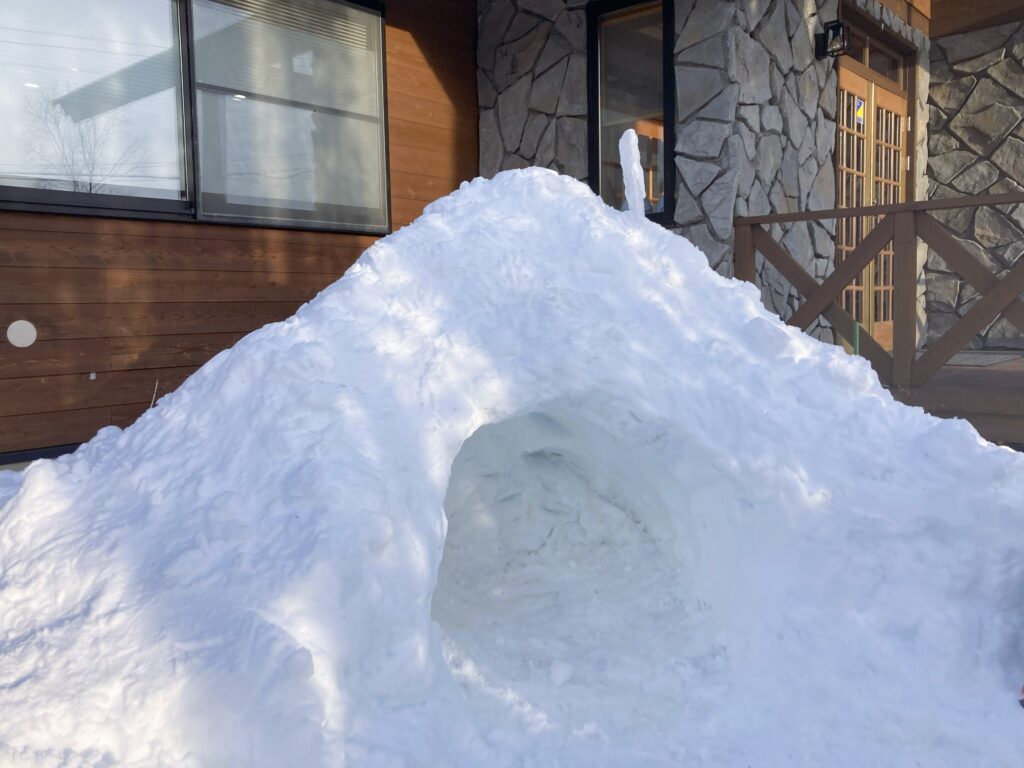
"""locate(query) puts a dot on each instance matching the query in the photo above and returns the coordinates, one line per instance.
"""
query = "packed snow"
(530, 486)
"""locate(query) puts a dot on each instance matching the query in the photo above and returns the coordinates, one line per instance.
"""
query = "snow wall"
(679, 533)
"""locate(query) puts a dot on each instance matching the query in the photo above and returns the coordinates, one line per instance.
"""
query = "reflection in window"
(858, 46)
(290, 98)
(632, 96)
(90, 97)
(884, 63)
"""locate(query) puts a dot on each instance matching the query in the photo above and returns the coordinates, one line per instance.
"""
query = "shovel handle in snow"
(856, 337)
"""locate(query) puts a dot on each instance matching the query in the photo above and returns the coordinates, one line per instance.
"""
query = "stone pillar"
(707, 95)
(756, 131)
(532, 84)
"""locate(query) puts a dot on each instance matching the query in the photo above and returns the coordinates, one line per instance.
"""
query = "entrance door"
(871, 170)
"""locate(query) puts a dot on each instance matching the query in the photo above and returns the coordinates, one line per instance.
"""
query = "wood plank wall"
(955, 16)
(917, 13)
(125, 308)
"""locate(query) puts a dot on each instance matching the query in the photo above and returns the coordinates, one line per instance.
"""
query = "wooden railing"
(903, 225)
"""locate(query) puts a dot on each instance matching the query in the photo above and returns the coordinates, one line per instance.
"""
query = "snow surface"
(679, 532)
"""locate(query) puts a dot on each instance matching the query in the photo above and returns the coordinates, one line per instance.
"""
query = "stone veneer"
(781, 148)
(532, 84)
(756, 114)
(976, 128)
(756, 129)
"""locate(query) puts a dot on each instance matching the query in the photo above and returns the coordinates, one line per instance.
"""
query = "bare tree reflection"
(88, 155)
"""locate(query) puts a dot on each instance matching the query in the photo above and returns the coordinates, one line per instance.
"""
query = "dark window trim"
(596, 9)
(190, 105)
(35, 200)
(241, 213)
(91, 201)
(34, 454)
(377, 6)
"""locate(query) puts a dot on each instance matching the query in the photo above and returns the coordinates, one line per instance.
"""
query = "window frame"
(595, 10)
(885, 42)
(32, 200)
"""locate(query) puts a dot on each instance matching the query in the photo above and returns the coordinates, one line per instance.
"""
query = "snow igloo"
(529, 486)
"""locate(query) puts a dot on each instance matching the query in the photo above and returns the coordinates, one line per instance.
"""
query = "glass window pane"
(884, 63)
(290, 98)
(632, 96)
(858, 46)
(90, 97)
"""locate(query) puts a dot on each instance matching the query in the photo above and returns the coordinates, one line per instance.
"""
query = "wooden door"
(871, 170)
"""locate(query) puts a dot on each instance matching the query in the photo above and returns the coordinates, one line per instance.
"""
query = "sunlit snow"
(679, 533)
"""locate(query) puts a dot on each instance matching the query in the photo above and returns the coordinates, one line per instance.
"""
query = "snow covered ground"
(679, 533)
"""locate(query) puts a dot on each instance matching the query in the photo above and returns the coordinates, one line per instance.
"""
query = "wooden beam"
(977, 201)
(745, 266)
(984, 311)
(904, 310)
(964, 263)
(838, 317)
(843, 275)
(942, 399)
(951, 17)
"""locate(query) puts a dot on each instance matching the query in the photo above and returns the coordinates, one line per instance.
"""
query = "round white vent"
(21, 333)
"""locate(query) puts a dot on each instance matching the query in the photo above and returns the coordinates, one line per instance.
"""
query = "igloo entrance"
(564, 563)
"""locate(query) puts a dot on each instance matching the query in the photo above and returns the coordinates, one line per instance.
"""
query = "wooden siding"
(126, 308)
(955, 16)
(917, 13)
(432, 103)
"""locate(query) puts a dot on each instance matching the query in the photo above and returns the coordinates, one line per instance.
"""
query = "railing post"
(743, 261)
(904, 340)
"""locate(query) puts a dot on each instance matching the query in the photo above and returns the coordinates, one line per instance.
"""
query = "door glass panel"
(871, 169)
(90, 97)
(888, 184)
(852, 180)
(884, 64)
(858, 46)
(632, 96)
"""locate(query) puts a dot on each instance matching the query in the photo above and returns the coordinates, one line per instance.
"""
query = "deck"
(986, 388)
(943, 377)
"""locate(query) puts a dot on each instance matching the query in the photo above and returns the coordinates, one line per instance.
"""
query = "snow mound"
(678, 532)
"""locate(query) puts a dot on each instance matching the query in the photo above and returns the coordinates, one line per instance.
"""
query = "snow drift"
(679, 533)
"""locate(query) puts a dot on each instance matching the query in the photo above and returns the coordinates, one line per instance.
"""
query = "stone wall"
(756, 120)
(976, 141)
(757, 128)
(532, 84)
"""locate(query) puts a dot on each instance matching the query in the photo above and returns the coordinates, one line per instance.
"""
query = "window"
(100, 101)
(886, 62)
(631, 86)
(91, 99)
(874, 54)
(291, 123)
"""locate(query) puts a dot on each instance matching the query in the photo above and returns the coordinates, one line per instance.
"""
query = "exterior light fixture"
(31, 85)
(239, 97)
(833, 41)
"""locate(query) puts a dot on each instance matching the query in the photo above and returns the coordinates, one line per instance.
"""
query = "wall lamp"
(832, 42)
